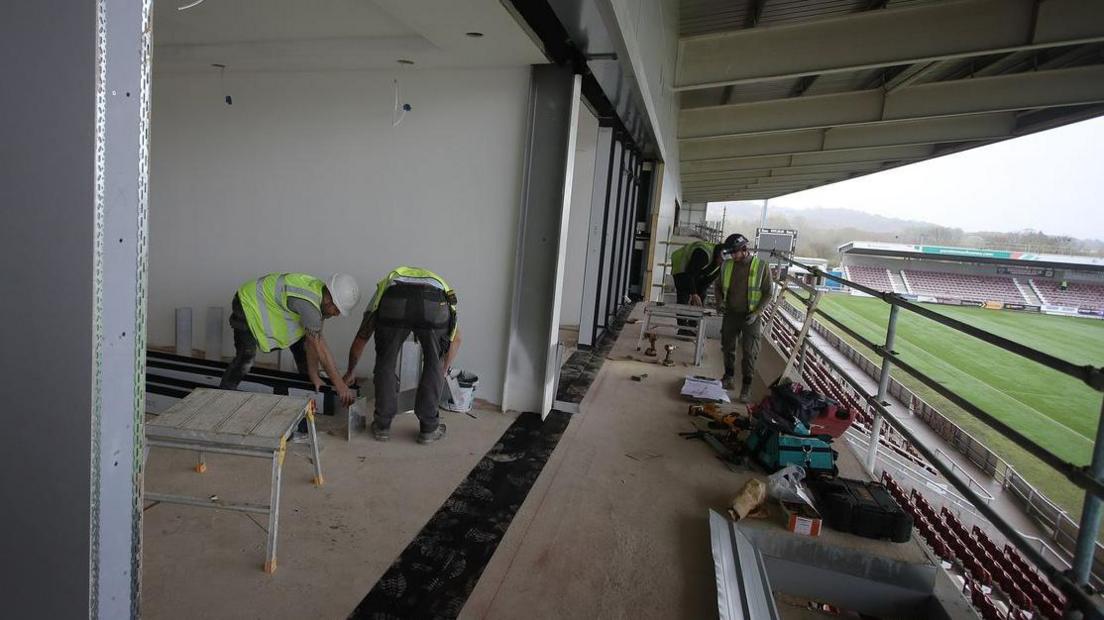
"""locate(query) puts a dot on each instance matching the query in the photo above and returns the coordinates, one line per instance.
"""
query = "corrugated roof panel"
(777, 12)
(841, 82)
(706, 16)
(709, 16)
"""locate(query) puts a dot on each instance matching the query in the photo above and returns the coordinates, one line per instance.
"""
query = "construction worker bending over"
(285, 311)
(743, 291)
(409, 300)
(694, 267)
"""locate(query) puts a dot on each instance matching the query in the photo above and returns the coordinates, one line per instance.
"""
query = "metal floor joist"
(773, 90)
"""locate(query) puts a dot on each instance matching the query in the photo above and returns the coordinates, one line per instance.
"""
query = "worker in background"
(743, 290)
(409, 300)
(285, 311)
(694, 267)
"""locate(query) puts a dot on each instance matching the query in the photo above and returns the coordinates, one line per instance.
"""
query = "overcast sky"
(1051, 181)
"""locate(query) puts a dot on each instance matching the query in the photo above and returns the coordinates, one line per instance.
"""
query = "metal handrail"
(1074, 583)
(861, 440)
(983, 493)
(1091, 375)
(1079, 475)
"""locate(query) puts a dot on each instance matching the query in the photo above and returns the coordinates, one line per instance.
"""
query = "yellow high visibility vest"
(264, 301)
(680, 258)
(755, 280)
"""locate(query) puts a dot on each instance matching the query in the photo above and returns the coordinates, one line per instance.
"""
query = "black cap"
(735, 241)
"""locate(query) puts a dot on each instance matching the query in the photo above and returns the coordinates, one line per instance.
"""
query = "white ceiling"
(302, 35)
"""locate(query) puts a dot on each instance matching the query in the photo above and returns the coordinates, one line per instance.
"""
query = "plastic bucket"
(461, 393)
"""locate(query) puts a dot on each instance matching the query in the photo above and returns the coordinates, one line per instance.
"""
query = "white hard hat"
(345, 292)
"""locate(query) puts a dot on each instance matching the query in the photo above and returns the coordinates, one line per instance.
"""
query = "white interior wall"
(304, 172)
(579, 223)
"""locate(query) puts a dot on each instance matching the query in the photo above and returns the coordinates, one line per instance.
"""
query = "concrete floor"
(615, 527)
(334, 541)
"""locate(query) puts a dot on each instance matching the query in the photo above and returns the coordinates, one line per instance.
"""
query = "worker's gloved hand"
(695, 300)
(751, 318)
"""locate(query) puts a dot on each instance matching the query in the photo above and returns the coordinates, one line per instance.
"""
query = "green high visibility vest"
(680, 258)
(755, 280)
(415, 275)
(264, 301)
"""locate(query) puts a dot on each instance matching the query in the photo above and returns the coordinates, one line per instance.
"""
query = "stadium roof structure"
(936, 252)
(779, 96)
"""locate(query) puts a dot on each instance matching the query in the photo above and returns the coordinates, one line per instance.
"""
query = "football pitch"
(1057, 411)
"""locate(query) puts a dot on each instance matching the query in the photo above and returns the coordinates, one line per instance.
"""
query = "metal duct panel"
(743, 589)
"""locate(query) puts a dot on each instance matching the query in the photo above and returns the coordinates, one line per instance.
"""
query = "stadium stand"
(1077, 295)
(959, 286)
(997, 581)
(1020, 280)
(874, 277)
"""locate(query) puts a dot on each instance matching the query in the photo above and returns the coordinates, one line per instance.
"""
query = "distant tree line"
(822, 240)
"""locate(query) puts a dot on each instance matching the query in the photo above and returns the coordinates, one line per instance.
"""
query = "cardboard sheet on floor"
(704, 388)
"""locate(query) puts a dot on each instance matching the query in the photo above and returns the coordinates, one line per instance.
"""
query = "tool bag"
(862, 508)
(774, 449)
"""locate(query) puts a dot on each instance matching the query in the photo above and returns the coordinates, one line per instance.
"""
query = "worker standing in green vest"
(409, 300)
(743, 291)
(285, 311)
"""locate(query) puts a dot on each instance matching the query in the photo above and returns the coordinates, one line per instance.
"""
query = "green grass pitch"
(1057, 411)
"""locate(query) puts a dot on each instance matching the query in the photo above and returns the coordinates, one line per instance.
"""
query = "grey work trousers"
(389, 341)
(735, 330)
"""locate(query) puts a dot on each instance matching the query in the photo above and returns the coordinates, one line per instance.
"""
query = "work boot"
(432, 436)
(380, 433)
(745, 393)
(728, 382)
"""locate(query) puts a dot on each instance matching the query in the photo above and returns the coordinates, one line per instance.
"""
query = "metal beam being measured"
(952, 29)
(889, 134)
(1036, 89)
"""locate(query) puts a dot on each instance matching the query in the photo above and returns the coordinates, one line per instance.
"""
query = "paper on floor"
(704, 388)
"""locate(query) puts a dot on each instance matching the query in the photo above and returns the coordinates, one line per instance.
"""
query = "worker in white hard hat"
(285, 311)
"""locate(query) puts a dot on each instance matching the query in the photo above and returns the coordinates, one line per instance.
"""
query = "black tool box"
(861, 508)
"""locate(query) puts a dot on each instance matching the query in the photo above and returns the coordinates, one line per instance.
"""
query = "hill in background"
(822, 230)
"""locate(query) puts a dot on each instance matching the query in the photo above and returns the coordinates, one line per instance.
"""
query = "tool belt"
(414, 306)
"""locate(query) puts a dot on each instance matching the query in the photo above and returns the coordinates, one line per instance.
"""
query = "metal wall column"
(626, 229)
(589, 330)
(630, 237)
(617, 181)
(75, 241)
(548, 168)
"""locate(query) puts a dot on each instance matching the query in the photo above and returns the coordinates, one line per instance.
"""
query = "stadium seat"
(1076, 295)
(963, 286)
(874, 277)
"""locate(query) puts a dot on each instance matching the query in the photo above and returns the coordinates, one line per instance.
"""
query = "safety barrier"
(1087, 551)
